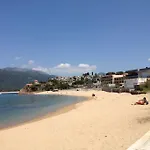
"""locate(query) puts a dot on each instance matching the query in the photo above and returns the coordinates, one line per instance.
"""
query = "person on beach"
(142, 102)
(93, 95)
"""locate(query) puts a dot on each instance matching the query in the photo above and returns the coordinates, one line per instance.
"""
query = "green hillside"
(15, 78)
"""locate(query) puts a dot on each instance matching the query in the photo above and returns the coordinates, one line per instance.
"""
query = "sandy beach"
(106, 122)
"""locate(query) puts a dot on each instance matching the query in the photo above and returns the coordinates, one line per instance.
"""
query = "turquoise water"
(17, 109)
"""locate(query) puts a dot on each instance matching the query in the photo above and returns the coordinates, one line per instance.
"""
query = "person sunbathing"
(142, 102)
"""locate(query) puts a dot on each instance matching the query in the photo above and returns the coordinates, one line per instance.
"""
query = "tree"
(74, 78)
(48, 87)
(34, 88)
(110, 73)
(78, 82)
(82, 80)
(96, 75)
(119, 73)
(145, 86)
(64, 86)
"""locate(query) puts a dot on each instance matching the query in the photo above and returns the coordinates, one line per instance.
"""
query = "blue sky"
(74, 36)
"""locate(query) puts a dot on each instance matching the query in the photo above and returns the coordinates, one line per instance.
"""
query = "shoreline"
(109, 121)
(57, 112)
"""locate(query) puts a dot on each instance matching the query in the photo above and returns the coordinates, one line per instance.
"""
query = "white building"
(36, 82)
(131, 83)
(136, 77)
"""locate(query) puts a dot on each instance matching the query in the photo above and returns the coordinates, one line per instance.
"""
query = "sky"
(75, 36)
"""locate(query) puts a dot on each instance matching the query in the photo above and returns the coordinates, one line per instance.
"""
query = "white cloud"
(149, 59)
(83, 65)
(17, 58)
(67, 69)
(30, 62)
(66, 65)
(39, 68)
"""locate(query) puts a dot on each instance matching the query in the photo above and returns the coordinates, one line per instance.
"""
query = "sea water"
(17, 109)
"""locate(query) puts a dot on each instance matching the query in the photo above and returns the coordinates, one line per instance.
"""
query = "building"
(28, 85)
(36, 82)
(119, 79)
(144, 73)
(131, 79)
(112, 79)
(136, 77)
(107, 79)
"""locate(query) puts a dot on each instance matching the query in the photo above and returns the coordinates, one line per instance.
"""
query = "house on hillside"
(36, 82)
(28, 85)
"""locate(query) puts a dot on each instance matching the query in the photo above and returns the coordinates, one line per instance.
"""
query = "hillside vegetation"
(12, 79)
(146, 86)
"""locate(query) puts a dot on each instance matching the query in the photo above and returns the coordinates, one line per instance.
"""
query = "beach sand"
(106, 122)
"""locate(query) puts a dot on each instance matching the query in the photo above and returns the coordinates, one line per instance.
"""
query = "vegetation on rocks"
(86, 80)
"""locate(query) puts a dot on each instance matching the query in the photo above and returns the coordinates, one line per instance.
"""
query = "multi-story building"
(136, 77)
(112, 79)
(119, 79)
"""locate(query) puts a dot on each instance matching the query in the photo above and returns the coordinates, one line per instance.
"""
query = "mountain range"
(12, 79)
